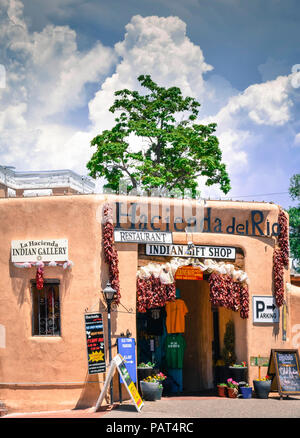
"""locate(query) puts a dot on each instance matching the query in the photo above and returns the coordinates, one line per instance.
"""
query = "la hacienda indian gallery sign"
(39, 250)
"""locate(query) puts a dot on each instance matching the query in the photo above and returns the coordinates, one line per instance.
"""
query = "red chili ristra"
(110, 253)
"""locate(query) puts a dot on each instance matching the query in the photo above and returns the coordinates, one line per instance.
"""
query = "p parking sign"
(265, 310)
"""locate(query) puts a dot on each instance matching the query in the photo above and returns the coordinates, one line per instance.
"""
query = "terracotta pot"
(222, 391)
(232, 392)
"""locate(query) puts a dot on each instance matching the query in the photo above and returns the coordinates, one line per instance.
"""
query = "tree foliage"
(173, 150)
(294, 214)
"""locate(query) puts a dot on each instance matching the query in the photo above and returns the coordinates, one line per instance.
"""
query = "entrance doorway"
(200, 335)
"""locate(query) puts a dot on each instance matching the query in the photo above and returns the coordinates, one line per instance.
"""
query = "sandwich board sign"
(285, 372)
(119, 363)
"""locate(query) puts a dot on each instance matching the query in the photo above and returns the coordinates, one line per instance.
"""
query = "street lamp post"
(109, 294)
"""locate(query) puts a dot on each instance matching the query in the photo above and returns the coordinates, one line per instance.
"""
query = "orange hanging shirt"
(175, 320)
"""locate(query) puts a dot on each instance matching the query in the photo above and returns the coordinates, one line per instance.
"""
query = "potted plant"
(246, 391)
(222, 389)
(238, 371)
(151, 387)
(262, 387)
(144, 370)
(232, 388)
(228, 351)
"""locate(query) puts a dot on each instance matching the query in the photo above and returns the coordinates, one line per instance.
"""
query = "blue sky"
(240, 59)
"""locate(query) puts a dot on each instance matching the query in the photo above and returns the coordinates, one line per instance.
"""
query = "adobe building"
(183, 247)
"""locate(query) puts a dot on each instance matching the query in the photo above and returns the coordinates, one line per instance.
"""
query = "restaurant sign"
(209, 252)
(138, 236)
(45, 250)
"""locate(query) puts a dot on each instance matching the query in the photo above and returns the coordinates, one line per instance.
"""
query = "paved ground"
(185, 407)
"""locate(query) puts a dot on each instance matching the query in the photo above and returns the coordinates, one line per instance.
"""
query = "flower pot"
(222, 391)
(262, 388)
(143, 372)
(246, 391)
(150, 390)
(238, 373)
(232, 392)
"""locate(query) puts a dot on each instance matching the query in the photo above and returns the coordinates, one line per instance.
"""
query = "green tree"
(294, 213)
(173, 149)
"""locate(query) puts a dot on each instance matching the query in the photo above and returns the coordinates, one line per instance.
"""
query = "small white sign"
(138, 236)
(208, 252)
(45, 250)
(265, 310)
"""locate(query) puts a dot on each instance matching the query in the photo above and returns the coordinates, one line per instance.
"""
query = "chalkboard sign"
(95, 343)
(285, 371)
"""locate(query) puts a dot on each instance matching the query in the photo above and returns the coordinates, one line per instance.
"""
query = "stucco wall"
(51, 373)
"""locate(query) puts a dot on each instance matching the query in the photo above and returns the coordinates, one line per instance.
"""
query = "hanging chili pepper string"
(283, 238)
(230, 294)
(152, 293)
(40, 278)
(110, 252)
(281, 258)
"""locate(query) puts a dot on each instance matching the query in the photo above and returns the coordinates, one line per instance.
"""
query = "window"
(46, 309)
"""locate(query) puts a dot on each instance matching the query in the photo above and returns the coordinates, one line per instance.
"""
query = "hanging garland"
(278, 277)
(110, 252)
(230, 294)
(283, 238)
(228, 286)
(281, 258)
(152, 293)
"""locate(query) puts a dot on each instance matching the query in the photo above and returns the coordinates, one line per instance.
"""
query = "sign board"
(126, 348)
(188, 273)
(265, 310)
(95, 343)
(119, 363)
(138, 236)
(285, 371)
(259, 361)
(208, 252)
(45, 250)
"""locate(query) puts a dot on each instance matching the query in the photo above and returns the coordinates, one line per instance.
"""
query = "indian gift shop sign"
(44, 250)
(184, 217)
(197, 251)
